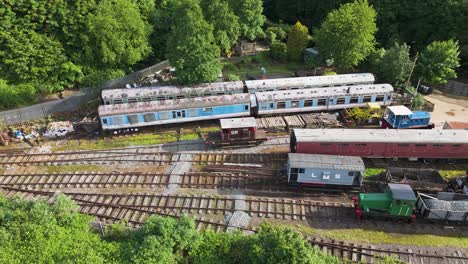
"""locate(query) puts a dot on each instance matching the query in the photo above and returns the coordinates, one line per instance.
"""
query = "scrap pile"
(272, 124)
(321, 120)
(293, 121)
(447, 205)
(59, 129)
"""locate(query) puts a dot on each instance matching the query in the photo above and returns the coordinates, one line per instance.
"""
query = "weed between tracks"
(369, 173)
(381, 237)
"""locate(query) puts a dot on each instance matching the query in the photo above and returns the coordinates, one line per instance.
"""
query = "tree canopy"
(191, 48)
(116, 35)
(251, 18)
(438, 61)
(298, 38)
(392, 65)
(347, 34)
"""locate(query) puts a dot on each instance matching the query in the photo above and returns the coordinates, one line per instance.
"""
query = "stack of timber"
(293, 121)
(271, 124)
(320, 120)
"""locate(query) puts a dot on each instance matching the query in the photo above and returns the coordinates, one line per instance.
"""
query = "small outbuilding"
(238, 129)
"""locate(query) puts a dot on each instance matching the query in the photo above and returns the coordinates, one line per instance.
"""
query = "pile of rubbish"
(59, 129)
(447, 205)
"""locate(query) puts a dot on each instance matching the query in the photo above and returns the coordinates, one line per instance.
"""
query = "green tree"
(26, 56)
(191, 48)
(438, 61)
(279, 51)
(392, 65)
(298, 38)
(274, 34)
(347, 35)
(116, 35)
(225, 23)
(251, 18)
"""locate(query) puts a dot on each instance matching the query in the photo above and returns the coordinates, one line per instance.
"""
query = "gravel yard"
(447, 109)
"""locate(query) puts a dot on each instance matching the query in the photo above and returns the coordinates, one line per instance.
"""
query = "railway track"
(142, 155)
(111, 208)
(206, 205)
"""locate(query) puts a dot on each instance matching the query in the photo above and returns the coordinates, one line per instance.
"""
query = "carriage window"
(354, 100)
(104, 121)
(420, 145)
(351, 173)
(281, 105)
(208, 109)
(132, 100)
(340, 100)
(343, 145)
(294, 103)
(173, 114)
(322, 102)
(170, 97)
(366, 99)
(308, 103)
(403, 145)
(264, 106)
(301, 170)
(380, 98)
(133, 119)
(220, 93)
(183, 113)
(117, 101)
(325, 144)
(246, 107)
(149, 117)
(161, 98)
(107, 103)
(180, 97)
(360, 145)
(456, 145)
(146, 99)
(437, 145)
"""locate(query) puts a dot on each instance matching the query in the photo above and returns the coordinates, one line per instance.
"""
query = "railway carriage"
(161, 93)
(322, 99)
(254, 86)
(325, 170)
(388, 143)
(132, 115)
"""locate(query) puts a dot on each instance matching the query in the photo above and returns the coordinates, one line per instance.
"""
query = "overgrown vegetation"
(369, 172)
(35, 232)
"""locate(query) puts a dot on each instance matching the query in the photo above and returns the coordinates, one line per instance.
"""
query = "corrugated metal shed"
(299, 160)
(323, 92)
(186, 103)
(402, 192)
(312, 81)
(238, 123)
(419, 136)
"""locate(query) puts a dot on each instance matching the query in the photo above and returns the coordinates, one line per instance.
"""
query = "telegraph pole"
(411, 72)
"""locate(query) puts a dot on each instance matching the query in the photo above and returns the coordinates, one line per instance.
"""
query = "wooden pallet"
(320, 120)
(271, 124)
(294, 121)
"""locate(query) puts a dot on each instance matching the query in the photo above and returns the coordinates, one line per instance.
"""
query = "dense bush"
(274, 34)
(279, 51)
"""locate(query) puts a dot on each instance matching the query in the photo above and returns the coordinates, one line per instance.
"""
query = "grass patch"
(370, 172)
(189, 136)
(450, 174)
(377, 237)
(140, 139)
(209, 129)
(73, 168)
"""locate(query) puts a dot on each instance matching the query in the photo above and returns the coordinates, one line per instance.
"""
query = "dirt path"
(447, 109)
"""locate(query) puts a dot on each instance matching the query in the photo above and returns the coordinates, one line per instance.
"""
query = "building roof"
(238, 122)
(300, 160)
(173, 90)
(185, 103)
(456, 125)
(402, 192)
(400, 110)
(323, 92)
(419, 136)
(311, 81)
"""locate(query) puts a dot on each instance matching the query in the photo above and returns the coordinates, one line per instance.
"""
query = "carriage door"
(178, 114)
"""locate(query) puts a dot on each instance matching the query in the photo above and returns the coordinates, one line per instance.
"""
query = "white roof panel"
(312, 81)
(419, 136)
(323, 92)
(400, 110)
(238, 122)
(300, 160)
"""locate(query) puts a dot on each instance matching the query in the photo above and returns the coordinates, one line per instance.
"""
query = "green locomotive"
(398, 201)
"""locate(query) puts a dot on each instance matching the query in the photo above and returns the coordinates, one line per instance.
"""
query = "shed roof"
(312, 81)
(418, 136)
(402, 192)
(323, 92)
(400, 110)
(300, 160)
(457, 125)
(229, 123)
(185, 103)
